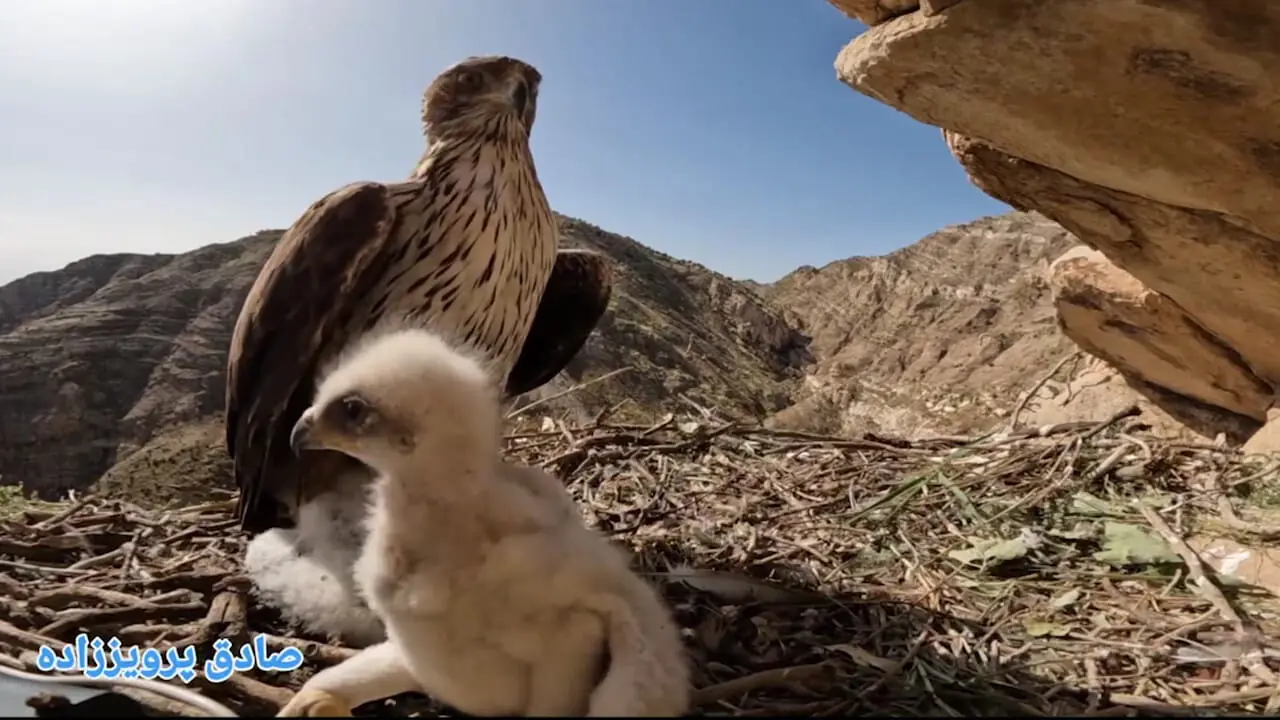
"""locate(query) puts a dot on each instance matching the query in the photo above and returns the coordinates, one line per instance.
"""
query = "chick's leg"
(376, 672)
(570, 666)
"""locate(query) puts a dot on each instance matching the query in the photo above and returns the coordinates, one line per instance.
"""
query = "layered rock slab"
(1222, 275)
(1111, 315)
(1176, 101)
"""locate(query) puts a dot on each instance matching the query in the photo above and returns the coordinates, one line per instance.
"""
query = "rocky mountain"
(935, 337)
(111, 369)
(114, 364)
(683, 330)
(114, 351)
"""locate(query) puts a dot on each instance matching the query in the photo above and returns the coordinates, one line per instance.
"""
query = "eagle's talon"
(315, 703)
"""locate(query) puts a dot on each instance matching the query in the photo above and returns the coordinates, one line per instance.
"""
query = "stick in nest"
(1246, 632)
(576, 388)
(765, 679)
(1026, 398)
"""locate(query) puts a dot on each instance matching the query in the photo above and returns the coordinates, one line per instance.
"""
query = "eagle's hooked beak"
(300, 436)
(520, 97)
(524, 97)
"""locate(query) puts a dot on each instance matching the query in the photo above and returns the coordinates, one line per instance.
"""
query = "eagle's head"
(478, 91)
(402, 398)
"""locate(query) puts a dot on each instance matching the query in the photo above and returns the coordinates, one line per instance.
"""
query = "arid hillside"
(114, 364)
(684, 331)
(939, 336)
(112, 367)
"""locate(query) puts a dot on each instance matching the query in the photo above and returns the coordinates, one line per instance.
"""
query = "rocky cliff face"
(112, 368)
(935, 337)
(682, 329)
(97, 358)
(115, 363)
(1149, 130)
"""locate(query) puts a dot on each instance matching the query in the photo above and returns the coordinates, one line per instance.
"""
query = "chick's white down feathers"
(496, 598)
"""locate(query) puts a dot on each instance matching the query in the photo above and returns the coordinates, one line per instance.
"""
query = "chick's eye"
(470, 80)
(354, 411)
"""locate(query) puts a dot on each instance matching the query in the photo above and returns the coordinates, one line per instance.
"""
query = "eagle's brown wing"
(298, 309)
(575, 299)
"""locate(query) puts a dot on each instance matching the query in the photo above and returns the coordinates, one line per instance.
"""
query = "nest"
(1041, 572)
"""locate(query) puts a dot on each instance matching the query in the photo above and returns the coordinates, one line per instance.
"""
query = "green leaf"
(965, 503)
(991, 550)
(1126, 544)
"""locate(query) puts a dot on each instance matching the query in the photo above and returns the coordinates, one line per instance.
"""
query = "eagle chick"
(497, 599)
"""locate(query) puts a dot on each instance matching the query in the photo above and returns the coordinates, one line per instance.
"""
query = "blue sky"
(712, 130)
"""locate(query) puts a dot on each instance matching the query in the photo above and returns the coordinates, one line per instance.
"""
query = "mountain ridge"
(112, 366)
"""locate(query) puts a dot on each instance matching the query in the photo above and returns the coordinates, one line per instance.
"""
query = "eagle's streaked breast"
(474, 257)
(467, 243)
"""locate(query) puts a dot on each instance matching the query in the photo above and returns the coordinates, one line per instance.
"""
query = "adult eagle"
(468, 245)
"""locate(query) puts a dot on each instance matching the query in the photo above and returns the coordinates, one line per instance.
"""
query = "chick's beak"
(300, 436)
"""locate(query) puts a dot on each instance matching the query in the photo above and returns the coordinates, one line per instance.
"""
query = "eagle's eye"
(470, 80)
(354, 411)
